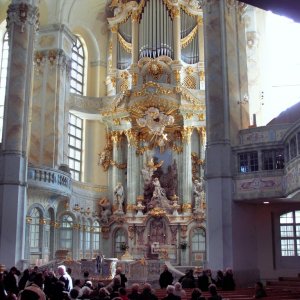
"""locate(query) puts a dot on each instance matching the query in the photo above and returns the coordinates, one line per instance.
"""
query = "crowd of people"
(59, 285)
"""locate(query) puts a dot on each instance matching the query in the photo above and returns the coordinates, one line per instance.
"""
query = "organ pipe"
(156, 34)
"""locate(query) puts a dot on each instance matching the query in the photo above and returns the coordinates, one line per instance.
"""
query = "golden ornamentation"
(188, 116)
(113, 81)
(189, 38)
(155, 70)
(202, 133)
(177, 149)
(114, 29)
(201, 117)
(135, 17)
(56, 225)
(105, 156)
(157, 212)
(28, 220)
(195, 7)
(189, 70)
(132, 137)
(121, 166)
(190, 82)
(117, 121)
(116, 136)
(202, 75)
(130, 207)
(134, 79)
(39, 57)
(124, 75)
(186, 207)
(196, 162)
(126, 46)
(43, 221)
(186, 133)
(52, 54)
(76, 226)
(143, 261)
(124, 86)
(177, 76)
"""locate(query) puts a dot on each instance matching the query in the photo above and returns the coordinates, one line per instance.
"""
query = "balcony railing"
(50, 179)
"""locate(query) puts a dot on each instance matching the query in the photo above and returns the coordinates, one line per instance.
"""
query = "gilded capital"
(186, 134)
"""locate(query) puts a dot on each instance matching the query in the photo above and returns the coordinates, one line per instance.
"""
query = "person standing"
(166, 278)
(65, 277)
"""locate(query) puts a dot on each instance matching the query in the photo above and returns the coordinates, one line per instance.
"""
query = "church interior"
(133, 131)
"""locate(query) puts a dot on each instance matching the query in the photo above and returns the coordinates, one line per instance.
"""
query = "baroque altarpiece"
(156, 132)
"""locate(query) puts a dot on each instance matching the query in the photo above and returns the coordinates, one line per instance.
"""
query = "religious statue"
(159, 198)
(198, 192)
(119, 196)
(105, 210)
(150, 167)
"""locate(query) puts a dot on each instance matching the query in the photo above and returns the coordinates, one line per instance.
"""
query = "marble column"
(186, 181)
(112, 73)
(50, 110)
(132, 172)
(116, 155)
(201, 42)
(223, 91)
(135, 39)
(22, 18)
(176, 34)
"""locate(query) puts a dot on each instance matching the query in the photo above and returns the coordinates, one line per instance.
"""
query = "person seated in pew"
(260, 291)
(197, 295)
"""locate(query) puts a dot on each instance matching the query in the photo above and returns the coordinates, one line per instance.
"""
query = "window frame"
(290, 236)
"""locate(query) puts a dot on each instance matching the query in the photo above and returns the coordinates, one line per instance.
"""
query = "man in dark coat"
(166, 278)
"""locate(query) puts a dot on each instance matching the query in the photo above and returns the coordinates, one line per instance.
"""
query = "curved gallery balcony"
(51, 180)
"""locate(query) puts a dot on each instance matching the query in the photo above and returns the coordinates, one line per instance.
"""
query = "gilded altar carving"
(186, 134)
(186, 207)
(196, 162)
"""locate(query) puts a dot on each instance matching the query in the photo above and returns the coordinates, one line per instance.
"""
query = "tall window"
(3, 76)
(290, 233)
(198, 246)
(75, 146)
(77, 73)
(66, 232)
(75, 123)
(96, 236)
(120, 237)
(34, 229)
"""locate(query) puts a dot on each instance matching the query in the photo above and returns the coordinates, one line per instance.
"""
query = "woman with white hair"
(179, 291)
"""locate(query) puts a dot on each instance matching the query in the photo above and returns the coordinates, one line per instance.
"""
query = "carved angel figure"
(105, 210)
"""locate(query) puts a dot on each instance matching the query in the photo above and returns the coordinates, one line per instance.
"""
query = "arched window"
(34, 230)
(76, 123)
(66, 232)
(77, 73)
(290, 233)
(96, 236)
(120, 238)
(3, 76)
(198, 245)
